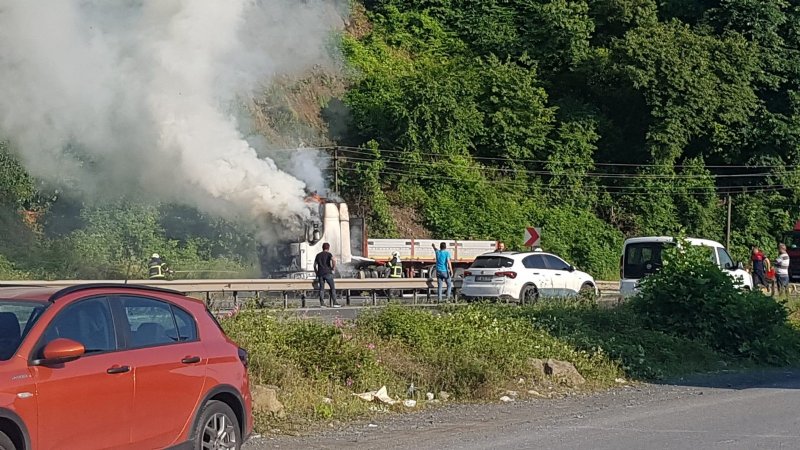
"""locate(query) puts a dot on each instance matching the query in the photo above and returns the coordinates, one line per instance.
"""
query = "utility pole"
(336, 170)
(728, 230)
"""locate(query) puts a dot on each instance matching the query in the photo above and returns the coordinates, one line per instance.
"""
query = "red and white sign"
(532, 236)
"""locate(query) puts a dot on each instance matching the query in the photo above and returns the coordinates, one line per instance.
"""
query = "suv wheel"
(219, 428)
(5, 442)
(528, 295)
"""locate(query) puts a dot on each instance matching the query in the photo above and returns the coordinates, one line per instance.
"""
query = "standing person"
(782, 269)
(157, 268)
(324, 265)
(760, 265)
(444, 270)
(395, 266)
(501, 247)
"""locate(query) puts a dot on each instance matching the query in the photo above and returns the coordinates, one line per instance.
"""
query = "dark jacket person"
(324, 265)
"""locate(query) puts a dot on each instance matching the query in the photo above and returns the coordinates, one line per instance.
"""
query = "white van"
(642, 256)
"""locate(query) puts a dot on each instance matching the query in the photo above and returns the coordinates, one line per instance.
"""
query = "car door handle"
(118, 369)
(536, 273)
(191, 360)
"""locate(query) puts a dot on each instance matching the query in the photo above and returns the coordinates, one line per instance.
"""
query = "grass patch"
(477, 352)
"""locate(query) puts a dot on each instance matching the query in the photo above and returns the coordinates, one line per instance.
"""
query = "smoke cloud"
(135, 97)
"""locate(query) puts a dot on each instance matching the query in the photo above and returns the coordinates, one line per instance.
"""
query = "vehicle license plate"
(483, 278)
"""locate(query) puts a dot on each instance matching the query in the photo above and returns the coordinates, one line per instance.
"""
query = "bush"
(692, 297)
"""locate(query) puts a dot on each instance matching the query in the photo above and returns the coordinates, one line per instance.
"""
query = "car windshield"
(492, 262)
(16, 319)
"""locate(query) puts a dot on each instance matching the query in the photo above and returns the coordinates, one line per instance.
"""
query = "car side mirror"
(571, 269)
(739, 266)
(59, 351)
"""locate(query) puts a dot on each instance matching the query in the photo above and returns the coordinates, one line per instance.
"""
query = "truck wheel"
(528, 295)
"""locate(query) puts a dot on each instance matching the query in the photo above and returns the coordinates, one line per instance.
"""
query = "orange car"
(118, 366)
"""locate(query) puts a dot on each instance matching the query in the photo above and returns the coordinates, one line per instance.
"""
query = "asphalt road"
(736, 411)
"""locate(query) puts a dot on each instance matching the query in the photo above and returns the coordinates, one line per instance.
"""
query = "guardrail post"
(374, 297)
(347, 297)
(285, 299)
(303, 300)
(414, 296)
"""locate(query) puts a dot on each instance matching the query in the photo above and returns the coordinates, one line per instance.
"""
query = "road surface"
(735, 411)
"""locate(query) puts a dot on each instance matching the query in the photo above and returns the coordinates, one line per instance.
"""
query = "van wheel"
(219, 428)
(5, 442)
(528, 295)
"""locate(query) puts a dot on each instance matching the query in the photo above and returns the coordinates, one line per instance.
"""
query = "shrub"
(692, 297)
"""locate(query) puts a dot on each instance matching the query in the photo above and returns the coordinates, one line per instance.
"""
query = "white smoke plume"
(141, 97)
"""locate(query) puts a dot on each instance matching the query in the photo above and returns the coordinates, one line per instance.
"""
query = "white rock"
(536, 393)
(429, 396)
(521, 381)
(511, 393)
(327, 400)
(372, 425)
(620, 380)
(409, 403)
(506, 399)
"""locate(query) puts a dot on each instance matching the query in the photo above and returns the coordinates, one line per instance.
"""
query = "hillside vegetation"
(593, 119)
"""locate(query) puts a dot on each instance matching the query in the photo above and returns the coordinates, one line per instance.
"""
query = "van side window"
(725, 260)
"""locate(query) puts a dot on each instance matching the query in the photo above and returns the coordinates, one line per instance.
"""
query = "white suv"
(525, 277)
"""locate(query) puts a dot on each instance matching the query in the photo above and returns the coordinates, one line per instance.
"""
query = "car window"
(16, 319)
(187, 330)
(555, 263)
(534, 262)
(725, 260)
(86, 321)
(151, 322)
(492, 262)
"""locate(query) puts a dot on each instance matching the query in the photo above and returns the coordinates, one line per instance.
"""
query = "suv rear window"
(641, 259)
(16, 319)
(492, 262)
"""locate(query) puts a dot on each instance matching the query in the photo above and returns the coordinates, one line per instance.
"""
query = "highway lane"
(750, 411)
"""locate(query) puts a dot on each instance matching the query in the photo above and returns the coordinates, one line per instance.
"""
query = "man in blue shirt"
(444, 270)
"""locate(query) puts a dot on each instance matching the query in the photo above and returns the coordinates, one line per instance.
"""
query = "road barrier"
(373, 286)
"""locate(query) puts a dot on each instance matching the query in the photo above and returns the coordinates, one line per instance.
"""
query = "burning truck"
(357, 255)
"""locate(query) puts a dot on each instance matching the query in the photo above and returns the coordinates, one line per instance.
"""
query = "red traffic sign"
(532, 236)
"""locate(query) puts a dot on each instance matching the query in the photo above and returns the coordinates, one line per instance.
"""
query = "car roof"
(691, 240)
(53, 293)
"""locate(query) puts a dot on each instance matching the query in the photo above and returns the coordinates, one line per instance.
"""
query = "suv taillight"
(467, 273)
(508, 274)
(244, 357)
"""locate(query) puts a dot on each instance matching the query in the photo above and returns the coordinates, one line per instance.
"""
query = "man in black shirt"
(324, 265)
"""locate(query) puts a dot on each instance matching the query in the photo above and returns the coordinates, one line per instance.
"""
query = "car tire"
(528, 295)
(218, 427)
(587, 292)
(6, 443)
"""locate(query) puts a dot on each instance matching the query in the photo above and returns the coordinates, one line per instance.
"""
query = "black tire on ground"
(587, 292)
(528, 295)
(6, 443)
(217, 427)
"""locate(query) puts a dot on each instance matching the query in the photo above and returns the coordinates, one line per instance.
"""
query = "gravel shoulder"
(754, 409)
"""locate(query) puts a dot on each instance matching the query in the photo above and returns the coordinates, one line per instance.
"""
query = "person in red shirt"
(760, 266)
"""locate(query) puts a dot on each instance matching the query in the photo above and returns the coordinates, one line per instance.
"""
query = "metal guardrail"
(284, 286)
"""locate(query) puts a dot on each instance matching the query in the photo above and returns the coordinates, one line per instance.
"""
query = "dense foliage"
(692, 298)
(591, 118)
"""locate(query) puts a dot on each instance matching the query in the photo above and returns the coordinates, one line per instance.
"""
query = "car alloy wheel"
(220, 428)
(528, 295)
